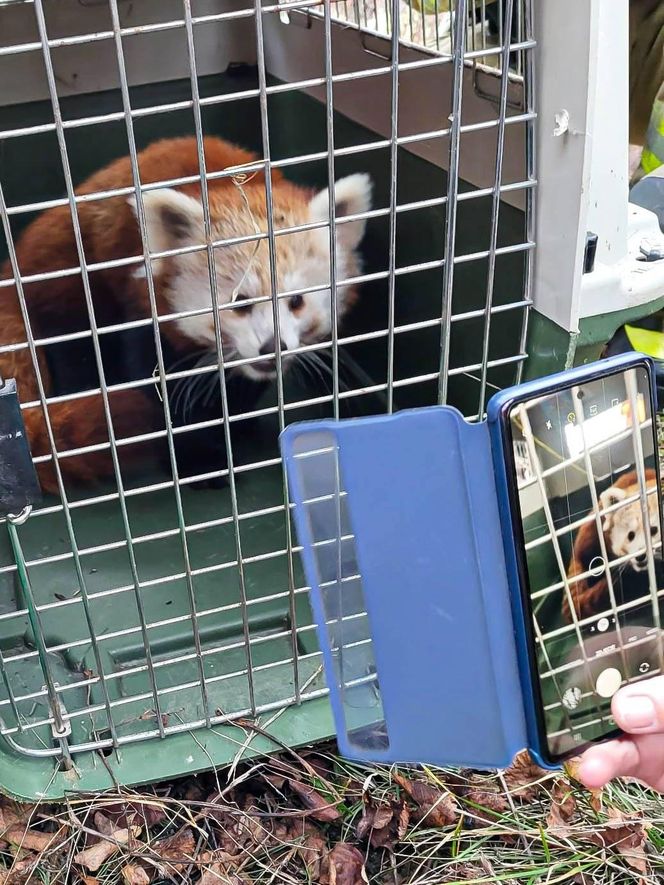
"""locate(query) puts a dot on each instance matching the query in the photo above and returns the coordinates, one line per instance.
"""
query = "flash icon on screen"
(572, 698)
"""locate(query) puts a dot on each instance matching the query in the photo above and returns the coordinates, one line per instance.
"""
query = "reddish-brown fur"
(57, 306)
(588, 593)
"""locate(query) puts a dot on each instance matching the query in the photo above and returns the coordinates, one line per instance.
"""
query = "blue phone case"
(407, 544)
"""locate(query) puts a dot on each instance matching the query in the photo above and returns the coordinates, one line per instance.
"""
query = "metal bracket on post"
(61, 726)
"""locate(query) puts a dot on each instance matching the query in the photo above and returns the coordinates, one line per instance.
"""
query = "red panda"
(623, 535)
(174, 218)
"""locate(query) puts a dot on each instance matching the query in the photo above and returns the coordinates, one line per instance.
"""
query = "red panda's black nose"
(269, 347)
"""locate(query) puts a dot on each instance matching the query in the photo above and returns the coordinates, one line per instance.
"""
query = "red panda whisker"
(305, 370)
(171, 367)
(316, 369)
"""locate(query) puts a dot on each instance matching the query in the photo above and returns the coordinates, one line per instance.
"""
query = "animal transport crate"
(145, 623)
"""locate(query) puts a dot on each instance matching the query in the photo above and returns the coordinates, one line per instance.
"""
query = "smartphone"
(583, 542)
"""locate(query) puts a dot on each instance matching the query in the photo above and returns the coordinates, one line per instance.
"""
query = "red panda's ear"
(352, 196)
(609, 498)
(172, 219)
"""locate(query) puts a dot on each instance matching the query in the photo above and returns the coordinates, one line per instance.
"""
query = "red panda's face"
(623, 526)
(243, 271)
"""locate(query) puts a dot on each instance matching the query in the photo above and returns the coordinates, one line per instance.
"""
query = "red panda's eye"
(631, 536)
(296, 302)
(243, 308)
(653, 530)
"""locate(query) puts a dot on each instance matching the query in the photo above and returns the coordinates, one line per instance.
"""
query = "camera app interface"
(586, 464)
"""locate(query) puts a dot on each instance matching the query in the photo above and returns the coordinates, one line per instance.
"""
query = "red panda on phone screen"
(624, 538)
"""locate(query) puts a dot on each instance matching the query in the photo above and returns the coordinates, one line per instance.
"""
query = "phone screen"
(586, 474)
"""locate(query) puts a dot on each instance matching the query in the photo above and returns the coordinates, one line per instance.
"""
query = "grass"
(315, 817)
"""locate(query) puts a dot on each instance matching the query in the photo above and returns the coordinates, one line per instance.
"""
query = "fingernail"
(637, 712)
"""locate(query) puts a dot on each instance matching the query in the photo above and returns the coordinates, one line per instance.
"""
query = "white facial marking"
(303, 262)
(625, 529)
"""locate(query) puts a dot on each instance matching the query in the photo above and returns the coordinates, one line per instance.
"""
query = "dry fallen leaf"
(105, 826)
(93, 857)
(571, 768)
(321, 809)
(596, 800)
(310, 845)
(32, 840)
(218, 869)
(483, 795)
(563, 805)
(175, 852)
(467, 870)
(524, 777)
(149, 813)
(625, 834)
(236, 831)
(135, 875)
(21, 872)
(275, 779)
(345, 866)
(384, 825)
(12, 814)
(435, 807)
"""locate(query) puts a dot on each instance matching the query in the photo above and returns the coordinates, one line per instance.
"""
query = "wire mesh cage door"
(218, 219)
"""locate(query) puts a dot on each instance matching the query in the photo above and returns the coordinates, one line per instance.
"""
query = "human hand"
(639, 711)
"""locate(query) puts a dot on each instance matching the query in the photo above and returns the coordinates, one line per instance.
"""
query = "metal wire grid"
(90, 696)
(429, 24)
(641, 436)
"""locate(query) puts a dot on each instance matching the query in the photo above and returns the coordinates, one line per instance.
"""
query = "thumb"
(639, 708)
(640, 757)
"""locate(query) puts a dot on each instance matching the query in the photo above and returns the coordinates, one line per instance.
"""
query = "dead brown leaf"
(89, 880)
(460, 871)
(345, 866)
(275, 779)
(93, 857)
(218, 868)
(20, 872)
(176, 852)
(194, 792)
(523, 775)
(32, 840)
(563, 805)
(627, 836)
(135, 875)
(484, 795)
(310, 845)
(321, 809)
(571, 768)
(12, 814)
(383, 825)
(124, 814)
(105, 826)
(235, 831)
(435, 807)
(596, 800)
